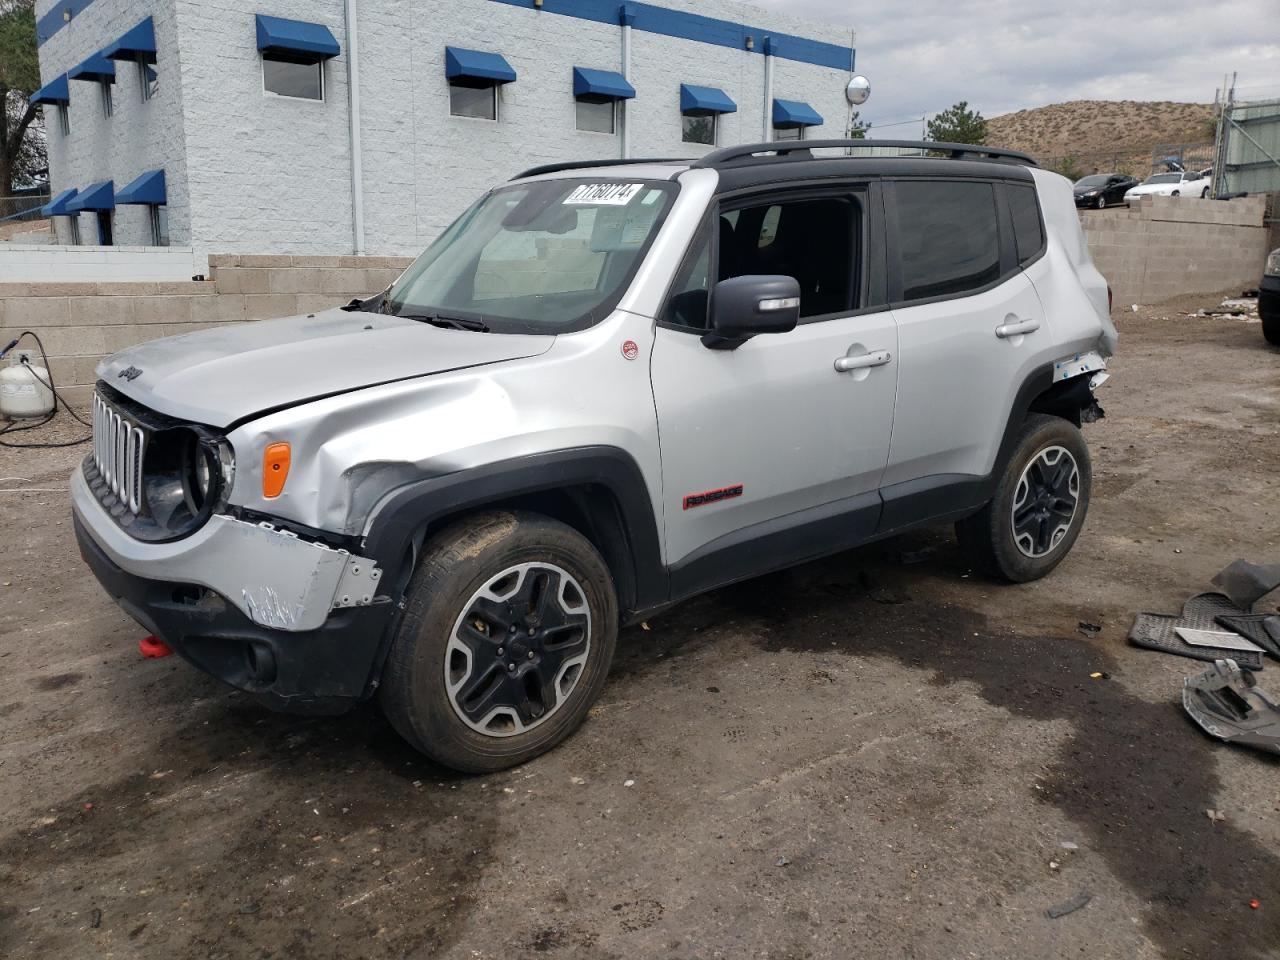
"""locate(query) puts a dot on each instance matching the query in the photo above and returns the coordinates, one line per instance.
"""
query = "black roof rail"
(784, 149)
(584, 164)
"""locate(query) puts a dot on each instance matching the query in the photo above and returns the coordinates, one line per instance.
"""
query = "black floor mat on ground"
(1254, 627)
(1156, 630)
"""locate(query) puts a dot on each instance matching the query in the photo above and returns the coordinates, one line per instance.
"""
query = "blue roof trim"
(97, 196)
(56, 90)
(604, 84)
(147, 189)
(693, 26)
(296, 39)
(97, 69)
(703, 101)
(479, 65)
(57, 207)
(137, 44)
(57, 18)
(795, 113)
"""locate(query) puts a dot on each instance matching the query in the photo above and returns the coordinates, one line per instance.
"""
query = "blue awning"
(56, 90)
(476, 67)
(296, 40)
(703, 101)
(601, 85)
(794, 113)
(138, 44)
(146, 189)
(99, 196)
(57, 207)
(97, 68)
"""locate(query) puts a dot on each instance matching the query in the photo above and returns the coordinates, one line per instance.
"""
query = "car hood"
(225, 374)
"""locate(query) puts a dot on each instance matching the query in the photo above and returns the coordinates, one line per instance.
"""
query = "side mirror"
(742, 307)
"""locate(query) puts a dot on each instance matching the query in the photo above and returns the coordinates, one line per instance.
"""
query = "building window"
(597, 117)
(64, 119)
(148, 81)
(481, 103)
(107, 106)
(285, 78)
(75, 230)
(159, 225)
(104, 228)
(788, 133)
(699, 129)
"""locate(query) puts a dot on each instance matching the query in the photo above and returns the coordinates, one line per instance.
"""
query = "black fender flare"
(631, 544)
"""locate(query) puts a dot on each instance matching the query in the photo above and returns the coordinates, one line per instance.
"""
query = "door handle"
(1017, 328)
(877, 358)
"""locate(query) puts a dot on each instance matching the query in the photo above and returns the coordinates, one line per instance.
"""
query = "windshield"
(544, 257)
(1164, 178)
(1097, 180)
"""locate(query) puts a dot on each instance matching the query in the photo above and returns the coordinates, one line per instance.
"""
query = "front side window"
(284, 78)
(597, 116)
(480, 103)
(948, 236)
(788, 133)
(544, 257)
(699, 129)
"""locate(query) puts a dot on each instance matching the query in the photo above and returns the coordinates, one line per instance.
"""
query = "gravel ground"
(864, 757)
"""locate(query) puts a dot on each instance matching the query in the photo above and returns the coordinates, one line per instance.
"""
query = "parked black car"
(1102, 189)
(1269, 298)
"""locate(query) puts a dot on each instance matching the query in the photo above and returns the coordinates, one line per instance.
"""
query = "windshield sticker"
(605, 194)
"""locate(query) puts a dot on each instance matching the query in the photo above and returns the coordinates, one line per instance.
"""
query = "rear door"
(971, 329)
(769, 452)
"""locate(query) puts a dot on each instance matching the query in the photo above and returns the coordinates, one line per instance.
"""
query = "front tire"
(1271, 330)
(1102, 203)
(510, 625)
(1039, 506)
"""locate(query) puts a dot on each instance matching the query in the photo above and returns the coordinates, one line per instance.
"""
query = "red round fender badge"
(630, 350)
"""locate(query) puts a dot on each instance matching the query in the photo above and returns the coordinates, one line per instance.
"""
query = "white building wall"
(272, 175)
(137, 137)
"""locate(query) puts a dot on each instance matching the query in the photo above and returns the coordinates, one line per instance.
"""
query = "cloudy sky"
(921, 56)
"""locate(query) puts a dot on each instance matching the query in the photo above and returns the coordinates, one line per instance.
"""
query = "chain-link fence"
(1139, 163)
(24, 206)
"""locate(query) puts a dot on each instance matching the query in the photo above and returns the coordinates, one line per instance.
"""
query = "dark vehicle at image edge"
(1269, 298)
(1102, 189)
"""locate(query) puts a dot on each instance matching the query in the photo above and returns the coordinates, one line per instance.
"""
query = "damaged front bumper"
(295, 622)
(1226, 702)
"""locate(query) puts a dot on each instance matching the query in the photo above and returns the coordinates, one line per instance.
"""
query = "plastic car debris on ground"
(1226, 702)
(1243, 584)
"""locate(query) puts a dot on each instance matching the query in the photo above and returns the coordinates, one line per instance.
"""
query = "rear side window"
(948, 237)
(1027, 229)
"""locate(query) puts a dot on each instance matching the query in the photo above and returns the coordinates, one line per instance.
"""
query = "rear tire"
(1039, 505)
(510, 625)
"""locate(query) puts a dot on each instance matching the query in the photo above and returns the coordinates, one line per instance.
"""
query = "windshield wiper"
(452, 323)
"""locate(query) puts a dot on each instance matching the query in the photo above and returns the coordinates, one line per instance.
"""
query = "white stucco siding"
(270, 174)
(137, 137)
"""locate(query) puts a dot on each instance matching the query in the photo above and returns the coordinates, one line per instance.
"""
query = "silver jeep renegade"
(605, 388)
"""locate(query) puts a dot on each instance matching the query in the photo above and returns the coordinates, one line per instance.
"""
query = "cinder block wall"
(1167, 247)
(80, 323)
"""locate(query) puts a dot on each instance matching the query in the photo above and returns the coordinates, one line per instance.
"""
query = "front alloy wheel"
(1102, 203)
(1045, 501)
(517, 650)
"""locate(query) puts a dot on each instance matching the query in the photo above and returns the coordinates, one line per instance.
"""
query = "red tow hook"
(153, 648)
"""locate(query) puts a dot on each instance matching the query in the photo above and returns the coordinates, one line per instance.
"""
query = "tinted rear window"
(1027, 229)
(949, 239)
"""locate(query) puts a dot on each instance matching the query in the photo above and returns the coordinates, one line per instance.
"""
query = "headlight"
(1273, 264)
(1093, 193)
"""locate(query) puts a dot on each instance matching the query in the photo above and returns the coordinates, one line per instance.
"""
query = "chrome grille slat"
(119, 451)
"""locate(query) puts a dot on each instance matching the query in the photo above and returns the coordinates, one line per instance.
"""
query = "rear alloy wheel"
(1039, 506)
(509, 628)
(1176, 193)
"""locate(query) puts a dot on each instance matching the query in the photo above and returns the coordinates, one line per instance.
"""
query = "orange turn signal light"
(275, 469)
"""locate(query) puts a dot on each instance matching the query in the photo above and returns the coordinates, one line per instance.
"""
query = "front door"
(774, 451)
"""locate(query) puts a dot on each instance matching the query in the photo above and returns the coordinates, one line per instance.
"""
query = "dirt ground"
(864, 757)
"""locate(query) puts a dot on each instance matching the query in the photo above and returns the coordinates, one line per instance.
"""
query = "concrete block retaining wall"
(1167, 247)
(80, 323)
